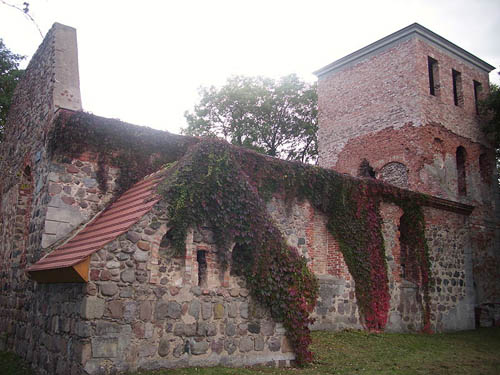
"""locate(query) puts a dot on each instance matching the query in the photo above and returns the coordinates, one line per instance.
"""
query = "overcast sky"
(143, 61)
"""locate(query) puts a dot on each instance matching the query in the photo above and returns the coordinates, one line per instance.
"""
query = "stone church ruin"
(114, 258)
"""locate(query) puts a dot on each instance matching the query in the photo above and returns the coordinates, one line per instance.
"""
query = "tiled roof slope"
(108, 225)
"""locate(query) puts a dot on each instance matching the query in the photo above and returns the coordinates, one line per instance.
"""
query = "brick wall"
(390, 89)
(379, 108)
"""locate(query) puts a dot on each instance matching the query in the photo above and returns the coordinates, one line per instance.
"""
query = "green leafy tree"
(490, 118)
(9, 76)
(490, 111)
(274, 117)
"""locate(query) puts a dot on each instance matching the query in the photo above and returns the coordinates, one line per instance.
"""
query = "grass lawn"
(346, 353)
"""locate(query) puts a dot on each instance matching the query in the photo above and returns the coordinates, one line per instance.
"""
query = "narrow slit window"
(433, 76)
(458, 97)
(477, 92)
(461, 175)
(201, 258)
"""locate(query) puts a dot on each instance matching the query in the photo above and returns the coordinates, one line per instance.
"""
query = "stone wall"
(146, 309)
(44, 326)
(38, 322)
(452, 293)
(75, 195)
(451, 273)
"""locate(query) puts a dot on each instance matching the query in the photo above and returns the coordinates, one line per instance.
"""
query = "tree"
(490, 118)
(9, 76)
(490, 112)
(275, 117)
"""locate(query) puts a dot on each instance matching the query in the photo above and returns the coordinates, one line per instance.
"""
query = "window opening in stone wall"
(166, 249)
(458, 97)
(461, 175)
(365, 169)
(201, 258)
(433, 76)
(477, 92)
(408, 258)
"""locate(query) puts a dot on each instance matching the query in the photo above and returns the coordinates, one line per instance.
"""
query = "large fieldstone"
(246, 344)
(232, 310)
(267, 328)
(115, 309)
(104, 347)
(145, 311)
(259, 343)
(133, 237)
(206, 310)
(163, 347)
(128, 276)
(174, 310)
(92, 308)
(105, 328)
(230, 345)
(198, 348)
(274, 344)
(218, 311)
(230, 329)
(254, 327)
(194, 309)
(109, 289)
(244, 310)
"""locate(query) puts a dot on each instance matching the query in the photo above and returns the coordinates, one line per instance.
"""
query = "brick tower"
(408, 104)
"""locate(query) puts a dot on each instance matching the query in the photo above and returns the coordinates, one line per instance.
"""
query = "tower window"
(433, 76)
(477, 92)
(458, 97)
(461, 159)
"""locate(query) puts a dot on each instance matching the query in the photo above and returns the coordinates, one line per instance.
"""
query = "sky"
(143, 61)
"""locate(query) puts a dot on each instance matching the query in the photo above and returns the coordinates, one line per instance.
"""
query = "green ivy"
(210, 187)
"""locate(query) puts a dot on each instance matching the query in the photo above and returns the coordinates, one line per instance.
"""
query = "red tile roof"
(112, 222)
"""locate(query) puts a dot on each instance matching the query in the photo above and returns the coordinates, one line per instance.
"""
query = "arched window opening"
(461, 157)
